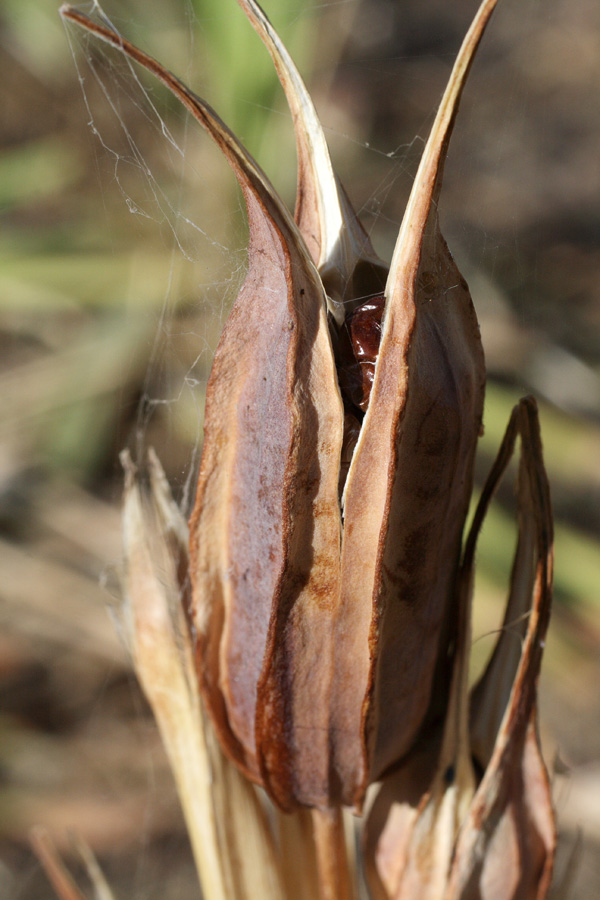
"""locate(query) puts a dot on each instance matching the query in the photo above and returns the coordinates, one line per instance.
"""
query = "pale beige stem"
(335, 882)
(298, 854)
(229, 833)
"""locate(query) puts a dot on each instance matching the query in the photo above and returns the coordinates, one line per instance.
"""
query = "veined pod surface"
(326, 534)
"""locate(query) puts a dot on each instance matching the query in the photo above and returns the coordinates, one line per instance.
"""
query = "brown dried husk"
(445, 837)
(318, 628)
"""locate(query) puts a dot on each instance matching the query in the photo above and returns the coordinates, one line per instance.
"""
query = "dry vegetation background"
(106, 330)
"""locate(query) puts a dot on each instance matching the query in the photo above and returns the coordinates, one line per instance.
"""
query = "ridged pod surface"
(326, 536)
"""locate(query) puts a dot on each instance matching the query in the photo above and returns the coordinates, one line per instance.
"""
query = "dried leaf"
(495, 843)
(230, 837)
(506, 847)
(391, 818)
(411, 831)
(55, 869)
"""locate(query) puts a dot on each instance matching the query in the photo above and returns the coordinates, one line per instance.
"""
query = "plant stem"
(332, 859)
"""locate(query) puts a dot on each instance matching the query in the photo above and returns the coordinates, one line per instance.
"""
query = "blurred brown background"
(121, 247)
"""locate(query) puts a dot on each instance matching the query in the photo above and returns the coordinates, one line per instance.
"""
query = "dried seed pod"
(444, 838)
(413, 461)
(358, 350)
(318, 625)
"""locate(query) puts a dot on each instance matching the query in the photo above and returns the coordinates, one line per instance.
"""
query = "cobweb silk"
(170, 197)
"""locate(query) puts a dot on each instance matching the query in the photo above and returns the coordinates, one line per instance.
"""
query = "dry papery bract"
(329, 605)
(469, 813)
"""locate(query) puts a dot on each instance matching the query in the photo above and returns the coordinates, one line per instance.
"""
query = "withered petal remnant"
(456, 834)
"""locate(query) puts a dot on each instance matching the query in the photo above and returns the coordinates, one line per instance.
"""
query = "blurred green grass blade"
(59, 281)
(577, 560)
(37, 170)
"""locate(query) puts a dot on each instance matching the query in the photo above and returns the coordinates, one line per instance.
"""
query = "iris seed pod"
(337, 464)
